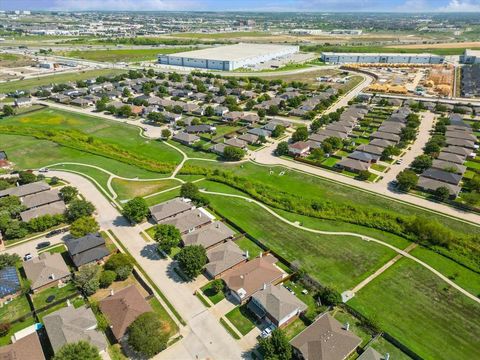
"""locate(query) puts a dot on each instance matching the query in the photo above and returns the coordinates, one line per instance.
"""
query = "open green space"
(383, 347)
(15, 309)
(170, 325)
(157, 199)
(242, 319)
(28, 84)
(208, 291)
(40, 299)
(192, 152)
(128, 189)
(246, 244)
(121, 55)
(337, 261)
(421, 311)
(472, 165)
(355, 325)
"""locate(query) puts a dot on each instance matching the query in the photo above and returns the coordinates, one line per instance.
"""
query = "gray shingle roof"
(24, 190)
(55, 208)
(170, 208)
(223, 257)
(41, 198)
(87, 249)
(188, 221)
(39, 270)
(70, 325)
(208, 235)
(278, 301)
(442, 175)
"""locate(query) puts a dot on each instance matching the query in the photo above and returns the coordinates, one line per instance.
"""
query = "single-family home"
(41, 198)
(87, 249)
(325, 339)
(23, 101)
(300, 148)
(71, 325)
(224, 257)
(431, 185)
(27, 189)
(9, 283)
(246, 279)
(235, 142)
(55, 208)
(208, 235)
(25, 348)
(352, 165)
(170, 209)
(189, 220)
(46, 270)
(276, 305)
(122, 308)
(185, 138)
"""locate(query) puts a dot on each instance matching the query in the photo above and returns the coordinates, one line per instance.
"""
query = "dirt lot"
(12, 61)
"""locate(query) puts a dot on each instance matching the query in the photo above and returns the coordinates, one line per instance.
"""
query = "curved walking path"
(363, 237)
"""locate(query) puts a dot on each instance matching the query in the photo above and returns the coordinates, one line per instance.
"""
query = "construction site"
(409, 79)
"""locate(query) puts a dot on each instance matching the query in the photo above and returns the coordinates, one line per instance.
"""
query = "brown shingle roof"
(122, 308)
(45, 269)
(26, 348)
(325, 339)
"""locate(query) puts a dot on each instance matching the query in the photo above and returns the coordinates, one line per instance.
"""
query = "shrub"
(79, 208)
(192, 259)
(136, 210)
(107, 277)
(121, 264)
(167, 236)
(88, 279)
(81, 350)
(4, 328)
(83, 226)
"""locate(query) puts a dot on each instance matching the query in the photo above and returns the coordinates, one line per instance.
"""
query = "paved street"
(204, 336)
(30, 246)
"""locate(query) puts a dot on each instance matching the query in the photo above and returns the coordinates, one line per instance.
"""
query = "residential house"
(27, 189)
(457, 150)
(200, 129)
(385, 136)
(221, 110)
(300, 148)
(276, 305)
(429, 184)
(41, 198)
(70, 325)
(170, 209)
(461, 143)
(224, 257)
(185, 138)
(442, 175)
(364, 157)
(325, 339)
(246, 279)
(232, 116)
(249, 138)
(171, 117)
(259, 132)
(235, 142)
(55, 208)
(25, 348)
(208, 235)
(122, 308)
(82, 102)
(190, 220)
(87, 249)
(370, 149)
(23, 101)
(218, 148)
(382, 143)
(371, 354)
(46, 270)
(454, 158)
(352, 165)
(250, 118)
(449, 166)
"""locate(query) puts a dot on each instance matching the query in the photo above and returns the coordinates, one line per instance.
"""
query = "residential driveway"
(204, 336)
(416, 148)
(30, 246)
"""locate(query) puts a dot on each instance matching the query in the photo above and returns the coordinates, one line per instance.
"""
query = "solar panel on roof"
(9, 281)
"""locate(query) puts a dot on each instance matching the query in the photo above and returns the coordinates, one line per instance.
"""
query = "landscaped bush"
(107, 277)
(121, 264)
(146, 335)
(81, 350)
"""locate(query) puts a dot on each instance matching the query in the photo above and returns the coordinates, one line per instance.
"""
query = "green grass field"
(15, 309)
(242, 318)
(28, 84)
(337, 261)
(126, 189)
(421, 311)
(121, 55)
(39, 299)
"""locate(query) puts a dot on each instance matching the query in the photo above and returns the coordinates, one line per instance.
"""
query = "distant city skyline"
(247, 5)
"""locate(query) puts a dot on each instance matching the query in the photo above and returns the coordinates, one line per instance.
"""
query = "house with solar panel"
(9, 284)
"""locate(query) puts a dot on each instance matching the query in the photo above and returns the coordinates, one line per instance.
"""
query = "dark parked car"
(43, 244)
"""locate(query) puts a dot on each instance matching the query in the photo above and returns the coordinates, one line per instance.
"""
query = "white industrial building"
(229, 57)
(470, 57)
(366, 58)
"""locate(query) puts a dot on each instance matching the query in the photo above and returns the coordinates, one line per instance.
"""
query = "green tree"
(8, 260)
(363, 175)
(276, 346)
(136, 210)
(217, 286)
(68, 193)
(107, 277)
(422, 163)
(88, 279)
(209, 111)
(147, 335)
(166, 134)
(81, 350)
(407, 179)
(192, 259)
(261, 113)
(83, 226)
(442, 193)
(301, 134)
(232, 153)
(329, 296)
(125, 111)
(471, 198)
(79, 208)
(167, 236)
(121, 264)
(278, 131)
(317, 154)
(282, 148)
(26, 177)
(8, 110)
(189, 191)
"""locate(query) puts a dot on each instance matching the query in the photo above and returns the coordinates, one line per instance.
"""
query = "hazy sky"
(246, 5)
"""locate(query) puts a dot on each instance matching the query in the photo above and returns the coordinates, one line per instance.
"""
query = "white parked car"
(267, 331)
(28, 257)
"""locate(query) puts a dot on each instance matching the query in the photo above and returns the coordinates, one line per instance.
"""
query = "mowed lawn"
(122, 55)
(28, 84)
(127, 189)
(337, 261)
(423, 312)
(124, 136)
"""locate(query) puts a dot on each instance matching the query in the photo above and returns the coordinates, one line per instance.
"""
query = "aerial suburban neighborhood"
(206, 180)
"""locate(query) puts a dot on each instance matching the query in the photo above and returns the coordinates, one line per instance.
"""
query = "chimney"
(261, 254)
(112, 292)
(347, 326)
(68, 302)
(387, 356)
(52, 276)
(246, 254)
(217, 225)
(264, 286)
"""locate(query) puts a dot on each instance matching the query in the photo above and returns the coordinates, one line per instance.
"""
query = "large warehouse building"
(228, 57)
(349, 58)
(470, 57)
